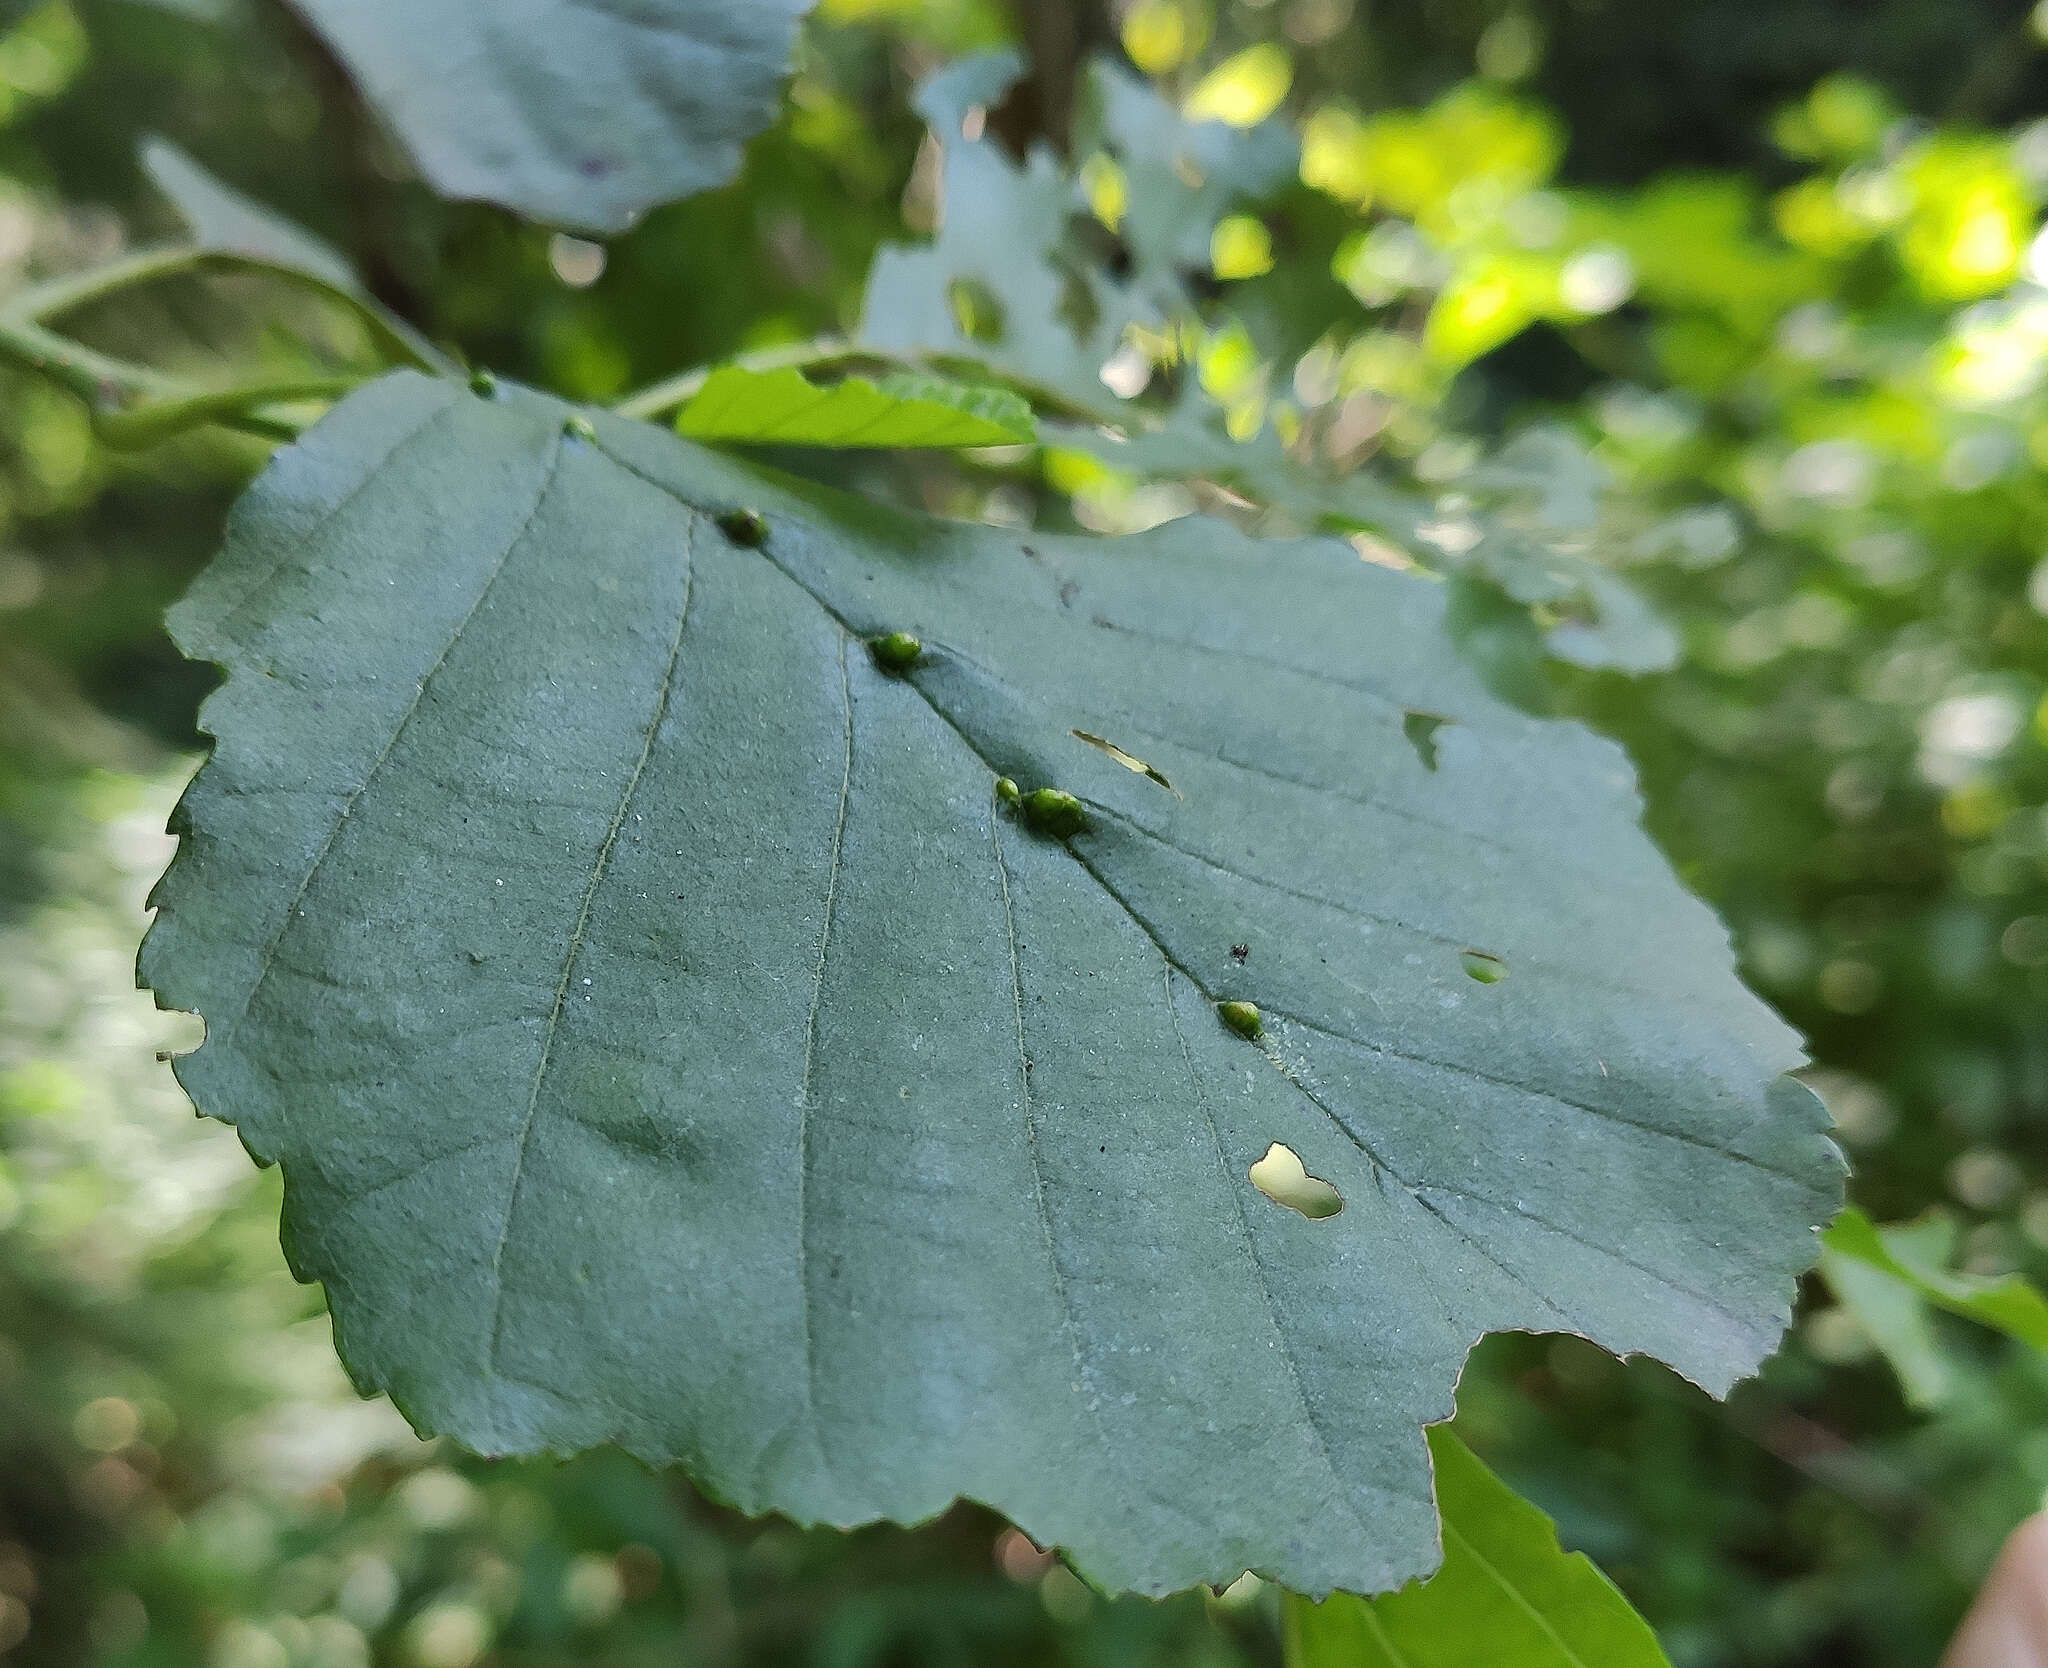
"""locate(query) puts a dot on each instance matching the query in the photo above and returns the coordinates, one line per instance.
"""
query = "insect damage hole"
(1284, 1179)
(1130, 761)
(1421, 729)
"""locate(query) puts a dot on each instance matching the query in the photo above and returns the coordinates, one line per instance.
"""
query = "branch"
(138, 405)
(240, 407)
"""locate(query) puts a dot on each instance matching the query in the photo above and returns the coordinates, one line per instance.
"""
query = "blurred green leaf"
(1507, 1596)
(1886, 1278)
(784, 408)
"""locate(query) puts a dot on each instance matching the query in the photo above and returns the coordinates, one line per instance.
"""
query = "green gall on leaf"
(896, 652)
(1006, 790)
(1054, 813)
(1242, 1017)
(580, 427)
(1485, 968)
(483, 384)
(746, 527)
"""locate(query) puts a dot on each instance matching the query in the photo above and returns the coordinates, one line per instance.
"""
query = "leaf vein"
(599, 868)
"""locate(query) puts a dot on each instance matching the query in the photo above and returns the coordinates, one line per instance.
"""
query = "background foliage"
(1770, 271)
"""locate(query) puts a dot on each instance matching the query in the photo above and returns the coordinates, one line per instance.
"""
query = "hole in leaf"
(1420, 728)
(1479, 965)
(1130, 761)
(1284, 1179)
(975, 310)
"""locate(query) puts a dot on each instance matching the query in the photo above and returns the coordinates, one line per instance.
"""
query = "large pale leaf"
(670, 1035)
(581, 113)
(1507, 1596)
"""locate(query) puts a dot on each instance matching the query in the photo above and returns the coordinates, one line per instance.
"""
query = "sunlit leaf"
(578, 115)
(1244, 89)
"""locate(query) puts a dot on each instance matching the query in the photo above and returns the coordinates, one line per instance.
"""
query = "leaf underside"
(671, 1037)
(578, 113)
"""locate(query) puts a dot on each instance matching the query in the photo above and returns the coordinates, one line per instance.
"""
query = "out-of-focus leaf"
(669, 1033)
(222, 218)
(1508, 1596)
(579, 115)
(1589, 616)
(1244, 89)
(1887, 1278)
(784, 408)
(1000, 284)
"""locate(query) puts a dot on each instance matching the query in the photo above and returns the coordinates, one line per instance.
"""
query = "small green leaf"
(784, 408)
(1507, 1595)
(1888, 1277)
